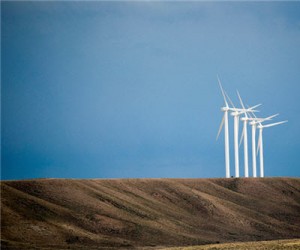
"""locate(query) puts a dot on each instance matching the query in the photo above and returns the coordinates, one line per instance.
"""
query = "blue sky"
(129, 89)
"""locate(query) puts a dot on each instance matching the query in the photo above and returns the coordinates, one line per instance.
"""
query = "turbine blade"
(229, 100)
(242, 103)
(222, 90)
(250, 115)
(270, 117)
(220, 128)
(254, 116)
(253, 107)
(258, 144)
(242, 137)
(274, 124)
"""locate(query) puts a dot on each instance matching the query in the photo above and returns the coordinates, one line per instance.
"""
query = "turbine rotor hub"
(224, 109)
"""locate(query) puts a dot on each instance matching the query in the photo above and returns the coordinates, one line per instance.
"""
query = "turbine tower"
(236, 146)
(260, 144)
(253, 124)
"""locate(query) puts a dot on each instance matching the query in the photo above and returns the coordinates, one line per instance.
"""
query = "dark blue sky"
(129, 89)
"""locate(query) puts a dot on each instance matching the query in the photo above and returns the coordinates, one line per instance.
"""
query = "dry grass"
(152, 213)
(293, 244)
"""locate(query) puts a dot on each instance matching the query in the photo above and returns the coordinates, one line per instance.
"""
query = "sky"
(129, 89)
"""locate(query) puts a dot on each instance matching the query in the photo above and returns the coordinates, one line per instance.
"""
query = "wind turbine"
(260, 144)
(226, 131)
(253, 123)
(236, 115)
(245, 119)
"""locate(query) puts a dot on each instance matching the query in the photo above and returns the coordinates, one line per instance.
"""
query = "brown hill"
(117, 213)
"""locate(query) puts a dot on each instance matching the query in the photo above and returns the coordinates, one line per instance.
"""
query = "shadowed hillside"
(117, 213)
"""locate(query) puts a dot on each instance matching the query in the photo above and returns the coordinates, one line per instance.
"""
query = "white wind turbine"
(253, 123)
(245, 119)
(236, 115)
(260, 144)
(226, 131)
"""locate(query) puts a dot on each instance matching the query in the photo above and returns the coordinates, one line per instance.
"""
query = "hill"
(150, 213)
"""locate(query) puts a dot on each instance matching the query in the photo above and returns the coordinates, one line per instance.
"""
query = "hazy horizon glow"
(129, 89)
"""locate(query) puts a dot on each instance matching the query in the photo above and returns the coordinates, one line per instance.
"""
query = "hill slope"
(62, 213)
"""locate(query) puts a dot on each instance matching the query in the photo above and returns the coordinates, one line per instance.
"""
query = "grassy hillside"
(258, 245)
(127, 213)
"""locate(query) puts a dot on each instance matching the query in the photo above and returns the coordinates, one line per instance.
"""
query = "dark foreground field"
(147, 213)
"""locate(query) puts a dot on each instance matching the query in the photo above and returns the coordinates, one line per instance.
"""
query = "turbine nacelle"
(224, 109)
(254, 122)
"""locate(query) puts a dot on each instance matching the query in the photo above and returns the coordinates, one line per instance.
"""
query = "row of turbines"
(250, 118)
